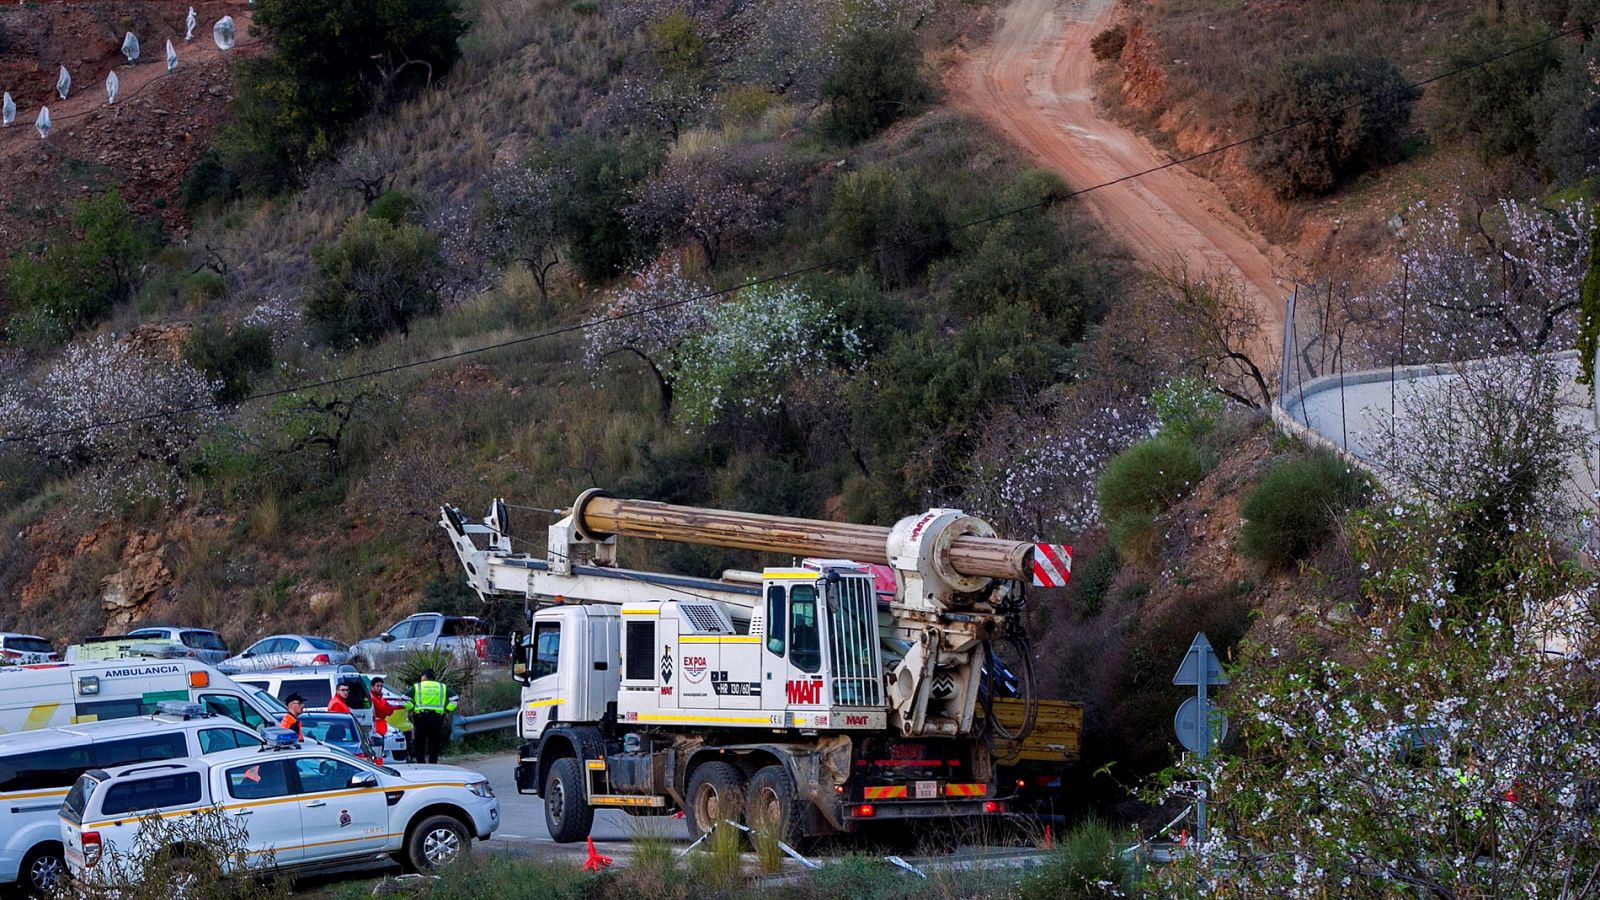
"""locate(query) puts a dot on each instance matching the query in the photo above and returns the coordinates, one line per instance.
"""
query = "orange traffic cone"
(1049, 838)
(1183, 838)
(595, 862)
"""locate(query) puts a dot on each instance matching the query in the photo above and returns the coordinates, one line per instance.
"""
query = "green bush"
(1493, 108)
(376, 279)
(1108, 44)
(80, 275)
(199, 288)
(1569, 109)
(1024, 261)
(1149, 477)
(1317, 155)
(876, 210)
(1085, 865)
(231, 357)
(1291, 510)
(397, 208)
(877, 80)
(604, 175)
(1091, 581)
(1187, 407)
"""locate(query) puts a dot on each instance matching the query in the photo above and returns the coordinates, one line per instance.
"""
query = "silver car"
(280, 651)
(203, 643)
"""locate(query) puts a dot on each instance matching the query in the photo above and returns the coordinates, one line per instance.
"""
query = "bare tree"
(368, 171)
(1207, 323)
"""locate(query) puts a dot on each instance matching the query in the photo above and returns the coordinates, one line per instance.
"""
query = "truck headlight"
(482, 789)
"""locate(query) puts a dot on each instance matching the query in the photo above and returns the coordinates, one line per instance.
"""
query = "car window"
(149, 632)
(180, 789)
(459, 627)
(326, 644)
(140, 749)
(213, 740)
(105, 710)
(203, 640)
(43, 769)
(359, 698)
(403, 630)
(546, 649)
(29, 645)
(332, 730)
(262, 647)
(315, 691)
(259, 780)
(252, 683)
(233, 708)
(319, 774)
(78, 799)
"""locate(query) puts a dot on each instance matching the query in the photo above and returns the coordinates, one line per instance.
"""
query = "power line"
(365, 374)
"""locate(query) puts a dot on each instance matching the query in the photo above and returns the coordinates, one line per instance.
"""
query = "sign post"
(1200, 725)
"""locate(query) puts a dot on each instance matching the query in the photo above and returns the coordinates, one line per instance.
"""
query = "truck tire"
(774, 805)
(436, 842)
(716, 792)
(567, 816)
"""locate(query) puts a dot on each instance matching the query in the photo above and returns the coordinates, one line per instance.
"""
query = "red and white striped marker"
(1052, 565)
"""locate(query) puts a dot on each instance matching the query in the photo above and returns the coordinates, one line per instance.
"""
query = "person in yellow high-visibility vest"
(430, 702)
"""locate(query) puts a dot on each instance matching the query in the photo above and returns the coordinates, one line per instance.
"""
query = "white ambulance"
(56, 694)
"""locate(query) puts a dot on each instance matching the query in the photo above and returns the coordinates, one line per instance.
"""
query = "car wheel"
(436, 842)
(567, 815)
(716, 792)
(41, 869)
(772, 805)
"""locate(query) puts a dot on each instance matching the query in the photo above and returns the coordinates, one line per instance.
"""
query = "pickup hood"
(424, 774)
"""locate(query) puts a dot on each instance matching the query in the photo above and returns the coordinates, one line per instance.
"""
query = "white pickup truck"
(300, 807)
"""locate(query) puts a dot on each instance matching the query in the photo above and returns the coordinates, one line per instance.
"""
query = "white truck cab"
(300, 807)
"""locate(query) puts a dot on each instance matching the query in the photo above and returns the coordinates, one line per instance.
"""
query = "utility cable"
(365, 374)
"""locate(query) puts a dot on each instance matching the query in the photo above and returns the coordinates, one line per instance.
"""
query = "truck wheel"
(567, 816)
(716, 792)
(41, 869)
(774, 806)
(436, 842)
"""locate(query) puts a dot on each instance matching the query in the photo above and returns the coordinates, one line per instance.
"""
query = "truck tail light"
(865, 811)
(483, 648)
(993, 806)
(91, 847)
(321, 659)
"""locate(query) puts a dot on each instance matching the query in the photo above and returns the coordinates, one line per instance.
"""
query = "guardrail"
(506, 718)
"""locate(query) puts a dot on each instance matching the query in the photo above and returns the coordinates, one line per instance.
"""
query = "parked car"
(463, 636)
(37, 768)
(203, 643)
(124, 646)
(339, 730)
(300, 807)
(25, 649)
(282, 650)
(315, 685)
(58, 694)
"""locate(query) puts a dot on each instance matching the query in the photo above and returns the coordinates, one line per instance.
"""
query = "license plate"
(927, 790)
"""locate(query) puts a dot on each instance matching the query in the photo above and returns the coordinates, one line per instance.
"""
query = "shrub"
(1108, 44)
(208, 182)
(1091, 580)
(191, 850)
(81, 275)
(198, 288)
(1187, 407)
(1315, 156)
(1149, 477)
(1022, 260)
(376, 279)
(230, 357)
(1084, 866)
(745, 104)
(676, 40)
(1294, 505)
(877, 80)
(603, 176)
(396, 208)
(894, 218)
(1569, 108)
(1492, 108)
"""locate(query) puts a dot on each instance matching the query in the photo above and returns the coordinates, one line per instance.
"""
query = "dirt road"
(1033, 83)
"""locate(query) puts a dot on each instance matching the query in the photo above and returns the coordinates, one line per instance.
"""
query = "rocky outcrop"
(143, 578)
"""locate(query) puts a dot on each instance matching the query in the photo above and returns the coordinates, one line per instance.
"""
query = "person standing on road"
(382, 709)
(430, 701)
(296, 705)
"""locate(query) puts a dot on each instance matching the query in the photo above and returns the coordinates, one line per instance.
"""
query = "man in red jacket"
(341, 700)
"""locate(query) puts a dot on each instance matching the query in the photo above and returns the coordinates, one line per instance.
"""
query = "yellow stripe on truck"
(883, 793)
(965, 790)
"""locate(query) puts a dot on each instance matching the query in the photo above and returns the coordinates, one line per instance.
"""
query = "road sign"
(1188, 729)
(1200, 655)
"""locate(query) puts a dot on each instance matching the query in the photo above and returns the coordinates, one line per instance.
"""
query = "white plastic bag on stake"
(130, 47)
(222, 33)
(172, 56)
(8, 110)
(112, 83)
(63, 83)
(188, 25)
(43, 122)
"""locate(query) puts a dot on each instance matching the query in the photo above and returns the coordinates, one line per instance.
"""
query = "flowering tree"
(649, 318)
(713, 198)
(752, 347)
(1434, 750)
(524, 213)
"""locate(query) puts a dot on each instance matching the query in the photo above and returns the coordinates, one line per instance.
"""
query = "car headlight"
(481, 788)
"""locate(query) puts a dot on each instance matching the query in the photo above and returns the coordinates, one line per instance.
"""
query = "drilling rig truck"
(808, 700)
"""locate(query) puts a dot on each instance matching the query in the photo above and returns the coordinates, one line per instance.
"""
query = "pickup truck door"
(255, 793)
(428, 629)
(342, 808)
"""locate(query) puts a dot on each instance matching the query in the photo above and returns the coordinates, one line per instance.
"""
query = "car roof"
(41, 738)
(6, 634)
(173, 628)
(295, 672)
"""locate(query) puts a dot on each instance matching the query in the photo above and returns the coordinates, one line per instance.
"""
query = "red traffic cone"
(1183, 838)
(1049, 838)
(595, 862)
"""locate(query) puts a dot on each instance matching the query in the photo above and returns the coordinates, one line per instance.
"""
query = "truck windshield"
(852, 640)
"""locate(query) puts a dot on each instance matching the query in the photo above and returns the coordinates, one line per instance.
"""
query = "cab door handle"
(316, 803)
(243, 812)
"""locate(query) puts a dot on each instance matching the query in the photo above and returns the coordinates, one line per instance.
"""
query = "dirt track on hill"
(1033, 83)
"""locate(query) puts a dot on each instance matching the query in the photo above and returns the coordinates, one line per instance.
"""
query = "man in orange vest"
(291, 719)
